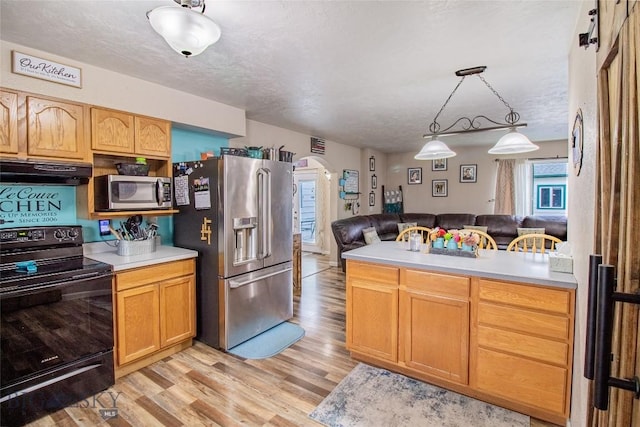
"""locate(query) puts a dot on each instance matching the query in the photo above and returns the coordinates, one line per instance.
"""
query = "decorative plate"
(577, 143)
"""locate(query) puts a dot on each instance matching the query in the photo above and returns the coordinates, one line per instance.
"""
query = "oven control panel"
(38, 236)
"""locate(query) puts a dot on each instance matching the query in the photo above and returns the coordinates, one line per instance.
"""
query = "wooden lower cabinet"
(138, 317)
(434, 308)
(155, 310)
(372, 310)
(522, 345)
(297, 264)
(510, 344)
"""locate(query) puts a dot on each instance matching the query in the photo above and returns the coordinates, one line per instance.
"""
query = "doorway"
(311, 182)
(307, 207)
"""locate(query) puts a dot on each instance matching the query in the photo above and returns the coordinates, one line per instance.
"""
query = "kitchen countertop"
(100, 251)
(512, 266)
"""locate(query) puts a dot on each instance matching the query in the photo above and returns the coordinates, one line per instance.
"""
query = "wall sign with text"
(37, 205)
(44, 69)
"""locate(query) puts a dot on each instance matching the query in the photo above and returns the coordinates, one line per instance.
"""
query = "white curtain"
(523, 179)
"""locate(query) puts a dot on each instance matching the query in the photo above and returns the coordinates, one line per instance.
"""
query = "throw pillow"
(403, 225)
(523, 231)
(371, 235)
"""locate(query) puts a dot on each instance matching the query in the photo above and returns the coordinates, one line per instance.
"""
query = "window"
(549, 185)
(551, 197)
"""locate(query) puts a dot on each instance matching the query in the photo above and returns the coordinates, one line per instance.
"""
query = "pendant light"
(434, 149)
(512, 142)
(187, 32)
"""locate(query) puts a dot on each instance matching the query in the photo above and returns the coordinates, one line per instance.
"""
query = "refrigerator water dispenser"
(246, 239)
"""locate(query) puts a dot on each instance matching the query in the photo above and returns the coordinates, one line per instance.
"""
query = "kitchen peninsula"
(498, 327)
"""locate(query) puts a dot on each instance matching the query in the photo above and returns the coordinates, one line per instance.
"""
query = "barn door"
(618, 215)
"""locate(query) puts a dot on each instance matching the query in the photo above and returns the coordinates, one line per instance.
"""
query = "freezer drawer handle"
(234, 284)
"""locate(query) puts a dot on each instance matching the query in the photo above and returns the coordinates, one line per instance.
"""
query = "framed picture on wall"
(439, 165)
(439, 188)
(374, 181)
(414, 175)
(468, 173)
(372, 163)
(372, 199)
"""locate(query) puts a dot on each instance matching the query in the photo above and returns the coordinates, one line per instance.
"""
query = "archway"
(313, 203)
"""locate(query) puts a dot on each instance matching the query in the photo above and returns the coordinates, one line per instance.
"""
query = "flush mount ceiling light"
(512, 142)
(187, 32)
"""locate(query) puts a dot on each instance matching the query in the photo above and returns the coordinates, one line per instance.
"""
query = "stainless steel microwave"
(123, 192)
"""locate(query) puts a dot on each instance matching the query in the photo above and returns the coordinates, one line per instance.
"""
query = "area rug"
(270, 342)
(372, 397)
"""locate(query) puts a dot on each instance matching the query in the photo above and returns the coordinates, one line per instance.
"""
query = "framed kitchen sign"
(44, 69)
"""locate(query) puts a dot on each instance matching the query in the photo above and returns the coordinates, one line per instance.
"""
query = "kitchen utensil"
(269, 153)
(242, 152)
(114, 232)
(254, 152)
(286, 156)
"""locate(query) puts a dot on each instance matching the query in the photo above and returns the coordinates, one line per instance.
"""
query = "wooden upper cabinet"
(153, 137)
(55, 129)
(112, 131)
(8, 122)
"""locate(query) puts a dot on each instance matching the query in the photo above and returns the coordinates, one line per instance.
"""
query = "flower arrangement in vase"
(442, 238)
(470, 241)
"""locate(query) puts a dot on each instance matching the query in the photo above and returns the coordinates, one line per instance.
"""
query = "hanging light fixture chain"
(512, 117)
(435, 127)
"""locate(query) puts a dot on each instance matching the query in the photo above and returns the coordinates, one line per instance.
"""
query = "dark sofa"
(503, 228)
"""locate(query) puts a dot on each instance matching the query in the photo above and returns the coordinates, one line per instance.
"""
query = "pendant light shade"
(187, 32)
(434, 149)
(513, 142)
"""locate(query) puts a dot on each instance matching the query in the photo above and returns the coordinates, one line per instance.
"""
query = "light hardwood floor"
(202, 386)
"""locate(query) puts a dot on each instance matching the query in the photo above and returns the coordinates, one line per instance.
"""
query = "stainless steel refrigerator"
(237, 213)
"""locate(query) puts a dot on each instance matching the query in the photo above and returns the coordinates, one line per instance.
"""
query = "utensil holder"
(136, 247)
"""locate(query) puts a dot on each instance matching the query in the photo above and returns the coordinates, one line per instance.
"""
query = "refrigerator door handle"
(236, 284)
(262, 228)
(268, 216)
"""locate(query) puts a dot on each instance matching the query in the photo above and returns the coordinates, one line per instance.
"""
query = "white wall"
(121, 92)
(581, 203)
(475, 197)
(337, 157)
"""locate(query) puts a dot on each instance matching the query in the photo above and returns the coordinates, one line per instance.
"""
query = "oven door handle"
(19, 290)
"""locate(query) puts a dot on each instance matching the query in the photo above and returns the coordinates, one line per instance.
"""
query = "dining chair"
(486, 241)
(404, 235)
(533, 243)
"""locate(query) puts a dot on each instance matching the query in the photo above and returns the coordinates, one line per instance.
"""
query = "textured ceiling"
(360, 73)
